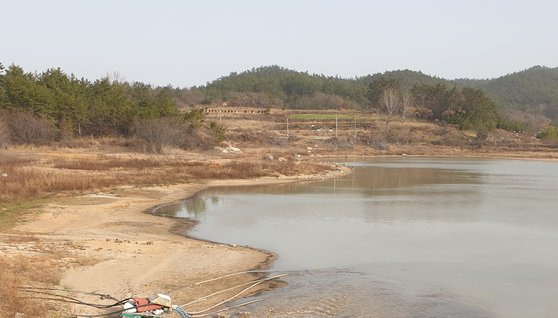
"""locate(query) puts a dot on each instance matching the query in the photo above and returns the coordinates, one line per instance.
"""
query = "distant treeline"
(534, 90)
(78, 106)
(81, 106)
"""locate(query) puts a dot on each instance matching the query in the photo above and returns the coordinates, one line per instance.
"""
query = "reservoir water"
(408, 237)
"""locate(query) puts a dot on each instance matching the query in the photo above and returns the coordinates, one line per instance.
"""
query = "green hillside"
(534, 90)
(285, 84)
(408, 78)
(289, 86)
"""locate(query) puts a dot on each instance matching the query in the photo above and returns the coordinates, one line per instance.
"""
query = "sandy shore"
(136, 253)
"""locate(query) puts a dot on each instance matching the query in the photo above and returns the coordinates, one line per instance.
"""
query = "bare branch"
(390, 104)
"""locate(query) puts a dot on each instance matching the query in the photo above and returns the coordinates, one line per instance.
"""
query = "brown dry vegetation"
(4, 133)
(39, 264)
(30, 178)
(360, 133)
(11, 275)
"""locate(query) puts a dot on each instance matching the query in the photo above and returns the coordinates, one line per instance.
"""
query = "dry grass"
(101, 163)
(29, 182)
(25, 179)
(254, 169)
(26, 271)
(35, 263)
(9, 159)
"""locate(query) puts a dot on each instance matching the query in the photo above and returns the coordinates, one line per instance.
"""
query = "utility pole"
(287, 127)
(354, 137)
(336, 134)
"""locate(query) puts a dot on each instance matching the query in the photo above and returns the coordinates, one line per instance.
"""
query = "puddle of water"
(400, 238)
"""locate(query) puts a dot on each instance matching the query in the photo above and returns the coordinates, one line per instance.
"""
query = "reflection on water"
(401, 238)
(192, 208)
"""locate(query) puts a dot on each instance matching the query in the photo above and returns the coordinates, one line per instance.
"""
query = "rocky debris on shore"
(229, 149)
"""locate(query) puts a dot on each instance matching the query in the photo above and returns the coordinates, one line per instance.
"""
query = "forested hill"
(534, 90)
(408, 78)
(289, 85)
(281, 83)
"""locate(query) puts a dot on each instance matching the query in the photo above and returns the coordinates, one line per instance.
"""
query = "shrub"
(420, 112)
(195, 116)
(4, 132)
(323, 101)
(218, 131)
(482, 134)
(202, 139)
(28, 129)
(510, 125)
(178, 132)
(549, 134)
(160, 133)
(249, 99)
(379, 144)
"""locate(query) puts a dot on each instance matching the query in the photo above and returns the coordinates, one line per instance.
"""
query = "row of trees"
(52, 105)
(466, 107)
(79, 106)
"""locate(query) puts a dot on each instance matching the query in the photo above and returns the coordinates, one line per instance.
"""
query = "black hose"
(107, 296)
(77, 301)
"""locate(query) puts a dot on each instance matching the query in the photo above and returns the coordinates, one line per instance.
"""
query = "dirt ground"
(365, 135)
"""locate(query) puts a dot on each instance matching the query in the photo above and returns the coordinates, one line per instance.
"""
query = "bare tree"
(159, 133)
(407, 101)
(115, 77)
(27, 129)
(390, 104)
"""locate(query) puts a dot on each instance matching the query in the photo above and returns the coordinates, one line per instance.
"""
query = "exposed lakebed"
(400, 237)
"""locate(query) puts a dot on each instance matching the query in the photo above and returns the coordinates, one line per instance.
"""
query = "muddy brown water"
(409, 237)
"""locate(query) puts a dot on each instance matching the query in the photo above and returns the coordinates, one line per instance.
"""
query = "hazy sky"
(186, 43)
